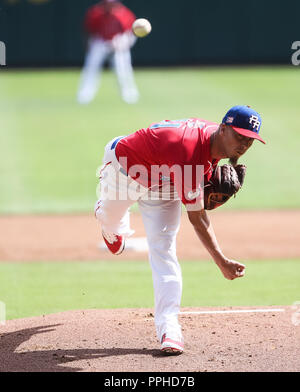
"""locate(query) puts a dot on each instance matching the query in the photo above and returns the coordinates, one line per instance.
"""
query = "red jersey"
(106, 25)
(183, 145)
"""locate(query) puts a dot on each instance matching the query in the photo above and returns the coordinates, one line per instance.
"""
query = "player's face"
(236, 145)
(109, 5)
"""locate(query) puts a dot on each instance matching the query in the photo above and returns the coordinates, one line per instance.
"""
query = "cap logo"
(254, 121)
(229, 120)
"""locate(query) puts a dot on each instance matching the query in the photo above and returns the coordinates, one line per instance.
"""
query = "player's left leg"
(162, 220)
(124, 71)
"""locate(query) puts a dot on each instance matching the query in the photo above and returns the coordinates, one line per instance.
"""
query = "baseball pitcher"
(160, 167)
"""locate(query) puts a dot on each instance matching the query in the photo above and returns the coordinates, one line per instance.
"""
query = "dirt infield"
(124, 340)
(242, 235)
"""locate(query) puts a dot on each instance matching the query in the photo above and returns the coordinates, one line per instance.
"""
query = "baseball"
(141, 27)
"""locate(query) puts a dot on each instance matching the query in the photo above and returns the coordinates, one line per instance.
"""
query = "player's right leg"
(97, 52)
(116, 195)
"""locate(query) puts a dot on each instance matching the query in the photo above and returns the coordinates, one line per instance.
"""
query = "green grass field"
(50, 149)
(32, 289)
(50, 146)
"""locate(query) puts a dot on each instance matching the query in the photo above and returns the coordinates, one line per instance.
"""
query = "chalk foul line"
(235, 311)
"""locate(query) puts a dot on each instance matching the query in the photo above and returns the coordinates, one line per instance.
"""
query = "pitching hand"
(231, 269)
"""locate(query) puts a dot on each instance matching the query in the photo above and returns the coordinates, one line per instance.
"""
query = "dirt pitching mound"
(124, 340)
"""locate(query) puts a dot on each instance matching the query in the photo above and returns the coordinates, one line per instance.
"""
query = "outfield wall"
(48, 32)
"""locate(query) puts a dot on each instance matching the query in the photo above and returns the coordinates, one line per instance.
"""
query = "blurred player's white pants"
(161, 219)
(97, 53)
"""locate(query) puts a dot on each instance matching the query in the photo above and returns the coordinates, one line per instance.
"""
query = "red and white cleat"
(114, 242)
(170, 346)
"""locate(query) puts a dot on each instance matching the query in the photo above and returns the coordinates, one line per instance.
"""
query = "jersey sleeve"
(188, 181)
(92, 20)
(126, 18)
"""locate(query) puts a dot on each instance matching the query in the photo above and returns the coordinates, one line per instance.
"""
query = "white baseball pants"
(98, 52)
(161, 219)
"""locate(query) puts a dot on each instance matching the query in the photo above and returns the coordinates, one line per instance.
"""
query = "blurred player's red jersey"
(179, 142)
(106, 25)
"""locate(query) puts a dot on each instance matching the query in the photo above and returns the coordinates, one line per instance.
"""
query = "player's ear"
(222, 128)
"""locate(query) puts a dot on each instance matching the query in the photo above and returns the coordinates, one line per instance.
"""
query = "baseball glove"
(225, 182)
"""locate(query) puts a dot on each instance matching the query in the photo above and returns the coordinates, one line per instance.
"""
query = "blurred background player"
(108, 26)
